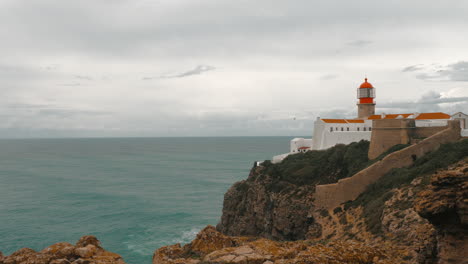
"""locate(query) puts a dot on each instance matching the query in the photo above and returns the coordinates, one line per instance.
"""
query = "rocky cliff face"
(275, 201)
(252, 208)
(445, 205)
(86, 251)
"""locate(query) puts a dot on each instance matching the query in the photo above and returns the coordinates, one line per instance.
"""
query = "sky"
(141, 68)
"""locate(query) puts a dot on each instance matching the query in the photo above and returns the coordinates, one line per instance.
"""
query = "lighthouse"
(366, 95)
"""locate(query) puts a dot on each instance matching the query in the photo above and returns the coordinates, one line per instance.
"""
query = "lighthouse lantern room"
(366, 95)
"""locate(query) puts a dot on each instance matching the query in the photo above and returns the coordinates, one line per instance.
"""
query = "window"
(364, 128)
(331, 129)
(370, 128)
(366, 93)
(347, 129)
(358, 129)
(342, 129)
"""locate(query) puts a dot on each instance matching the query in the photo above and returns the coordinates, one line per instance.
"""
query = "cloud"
(72, 56)
(328, 77)
(412, 68)
(360, 43)
(66, 113)
(84, 77)
(71, 84)
(195, 71)
(429, 102)
(457, 72)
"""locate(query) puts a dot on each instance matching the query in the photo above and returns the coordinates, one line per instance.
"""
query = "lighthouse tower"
(366, 95)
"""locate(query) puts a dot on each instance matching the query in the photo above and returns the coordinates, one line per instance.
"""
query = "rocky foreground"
(86, 251)
(212, 247)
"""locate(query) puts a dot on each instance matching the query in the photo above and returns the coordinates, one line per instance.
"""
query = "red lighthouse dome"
(366, 95)
(366, 84)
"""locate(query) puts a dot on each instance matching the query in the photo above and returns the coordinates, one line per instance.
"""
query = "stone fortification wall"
(390, 132)
(331, 195)
(424, 132)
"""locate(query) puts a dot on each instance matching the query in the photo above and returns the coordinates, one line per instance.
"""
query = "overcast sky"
(222, 67)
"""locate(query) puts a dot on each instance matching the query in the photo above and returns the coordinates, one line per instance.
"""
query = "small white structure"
(300, 145)
(463, 122)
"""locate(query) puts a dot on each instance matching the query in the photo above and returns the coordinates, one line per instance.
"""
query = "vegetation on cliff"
(375, 196)
(320, 167)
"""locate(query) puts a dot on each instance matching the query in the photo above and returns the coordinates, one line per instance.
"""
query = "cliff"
(415, 214)
(86, 251)
(445, 205)
(275, 201)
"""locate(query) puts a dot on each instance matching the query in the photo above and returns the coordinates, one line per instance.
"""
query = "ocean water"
(134, 194)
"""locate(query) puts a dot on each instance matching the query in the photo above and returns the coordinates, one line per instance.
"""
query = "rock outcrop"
(220, 249)
(445, 205)
(251, 208)
(86, 251)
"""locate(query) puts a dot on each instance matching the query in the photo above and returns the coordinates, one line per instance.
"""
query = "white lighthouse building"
(329, 132)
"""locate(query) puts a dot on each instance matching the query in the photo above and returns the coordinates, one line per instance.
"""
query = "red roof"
(366, 84)
(438, 115)
(355, 120)
(390, 116)
(304, 148)
(422, 116)
(343, 121)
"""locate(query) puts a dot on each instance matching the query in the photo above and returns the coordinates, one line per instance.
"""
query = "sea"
(134, 194)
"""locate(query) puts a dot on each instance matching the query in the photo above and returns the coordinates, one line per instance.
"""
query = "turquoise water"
(135, 195)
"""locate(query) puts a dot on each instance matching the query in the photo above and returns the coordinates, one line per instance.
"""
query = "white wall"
(431, 123)
(279, 158)
(464, 133)
(324, 138)
(330, 139)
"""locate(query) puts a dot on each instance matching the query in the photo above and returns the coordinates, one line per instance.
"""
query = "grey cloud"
(71, 84)
(452, 72)
(51, 67)
(429, 102)
(64, 113)
(197, 27)
(360, 43)
(84, 77)
(337, 113)
(196, 71)
(269, 47)
(457, 71)
(412, 68)
(50, 109)
(328, 77)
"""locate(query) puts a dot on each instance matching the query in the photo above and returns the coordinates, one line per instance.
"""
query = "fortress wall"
(389, 132)
(331, 195)
(424, 132)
